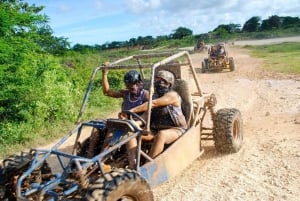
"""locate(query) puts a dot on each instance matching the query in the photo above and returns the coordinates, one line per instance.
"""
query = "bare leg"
(93, 142)
(131, 151)
(106, 141)
(163, 137)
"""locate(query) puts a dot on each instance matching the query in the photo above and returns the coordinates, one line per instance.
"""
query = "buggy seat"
(182, 88)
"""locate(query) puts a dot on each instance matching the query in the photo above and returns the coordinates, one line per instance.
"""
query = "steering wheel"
(133, 114)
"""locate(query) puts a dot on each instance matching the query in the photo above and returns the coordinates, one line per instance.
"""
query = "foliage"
(272, 23)
(34, 87)
(229, 28)
(181, 32)
(275, 22)
(252, 24)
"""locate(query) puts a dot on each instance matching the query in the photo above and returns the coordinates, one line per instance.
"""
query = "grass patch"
(283, 57)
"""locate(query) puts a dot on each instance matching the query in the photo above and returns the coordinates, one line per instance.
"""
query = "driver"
(167, 120)
(133, 95)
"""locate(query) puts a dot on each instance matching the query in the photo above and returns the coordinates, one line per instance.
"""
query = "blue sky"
(99, 21)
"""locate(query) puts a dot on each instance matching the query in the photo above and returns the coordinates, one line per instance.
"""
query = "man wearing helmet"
(167, 119)
(133, 95)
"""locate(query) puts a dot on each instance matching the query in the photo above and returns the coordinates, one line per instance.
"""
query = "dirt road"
(267, 166)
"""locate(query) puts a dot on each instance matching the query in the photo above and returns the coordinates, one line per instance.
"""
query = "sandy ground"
(267, 166)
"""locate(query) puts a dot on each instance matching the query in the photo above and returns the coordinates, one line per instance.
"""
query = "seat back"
(182, 88)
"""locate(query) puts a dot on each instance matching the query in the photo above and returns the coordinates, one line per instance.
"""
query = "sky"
(93, 22)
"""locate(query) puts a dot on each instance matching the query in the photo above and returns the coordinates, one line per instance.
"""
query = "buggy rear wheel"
(121, 184)
(228, 130)
(231, 64)
(12, 168)
(203, 67)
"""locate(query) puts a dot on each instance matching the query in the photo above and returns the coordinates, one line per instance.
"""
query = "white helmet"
(166, 75)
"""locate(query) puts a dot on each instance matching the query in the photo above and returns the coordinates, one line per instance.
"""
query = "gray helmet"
(166, 75)
(132, 76)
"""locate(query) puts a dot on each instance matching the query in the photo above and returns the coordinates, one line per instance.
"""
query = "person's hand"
(147, 136)
(104, 71)
(106, 64)
(122, 115)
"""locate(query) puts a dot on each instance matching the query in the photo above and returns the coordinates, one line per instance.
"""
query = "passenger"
(221, 50)
(167, 120)
(133, 95)
(213, 51)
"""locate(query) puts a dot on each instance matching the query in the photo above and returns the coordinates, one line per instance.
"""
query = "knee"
(161, 136)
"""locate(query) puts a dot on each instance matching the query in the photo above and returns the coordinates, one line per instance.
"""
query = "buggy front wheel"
(228, 130)
(121, 184)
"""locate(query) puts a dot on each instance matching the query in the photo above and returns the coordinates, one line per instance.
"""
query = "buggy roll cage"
(80, 163)
(117, 65)
(165, 62)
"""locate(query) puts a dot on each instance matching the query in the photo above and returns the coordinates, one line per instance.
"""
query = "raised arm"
(105, 86)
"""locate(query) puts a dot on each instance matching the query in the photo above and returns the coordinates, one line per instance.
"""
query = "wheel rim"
(236, 130)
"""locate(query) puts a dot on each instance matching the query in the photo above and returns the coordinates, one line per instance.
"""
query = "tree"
(273, 22)
(230, 28)
(288, 22)
(82, 48)
(181, 32)
(252, 24)
(50, 43)
(132, 42)
(115, 44)
(24, 39)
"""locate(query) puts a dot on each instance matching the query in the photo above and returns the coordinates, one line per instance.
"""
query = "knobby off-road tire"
(118, 185)
(12, 167)
(203, 67)
(228, 130)
(231, 64)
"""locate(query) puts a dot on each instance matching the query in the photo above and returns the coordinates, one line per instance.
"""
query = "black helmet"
(132, 76)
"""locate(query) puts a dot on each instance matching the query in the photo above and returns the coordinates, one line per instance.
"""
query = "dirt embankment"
(267, 166)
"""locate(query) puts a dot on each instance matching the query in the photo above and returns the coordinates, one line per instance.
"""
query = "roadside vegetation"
(43, 79)
(283, 58)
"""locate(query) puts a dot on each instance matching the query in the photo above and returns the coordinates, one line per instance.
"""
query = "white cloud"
(142, 6)
(119, 20)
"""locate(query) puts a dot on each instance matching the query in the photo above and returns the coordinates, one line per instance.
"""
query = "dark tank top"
(167, 117)
(128, 103)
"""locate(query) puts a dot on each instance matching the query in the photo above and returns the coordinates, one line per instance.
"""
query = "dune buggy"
(200, 46)
(218, 59)
(64, 172)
